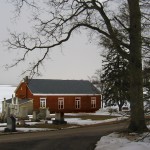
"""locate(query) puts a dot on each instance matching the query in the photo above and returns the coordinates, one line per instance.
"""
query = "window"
(60, 103)
(77, 102)
(43, 102)
(93, 102)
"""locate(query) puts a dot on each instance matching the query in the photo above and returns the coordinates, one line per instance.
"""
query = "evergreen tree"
(116, 79)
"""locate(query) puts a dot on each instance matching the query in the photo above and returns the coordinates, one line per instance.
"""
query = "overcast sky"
(77, 60)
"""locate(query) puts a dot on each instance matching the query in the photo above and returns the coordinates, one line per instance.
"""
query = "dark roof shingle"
(46, 86)
(20, 101)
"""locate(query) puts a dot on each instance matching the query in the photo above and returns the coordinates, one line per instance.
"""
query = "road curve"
(83, 138)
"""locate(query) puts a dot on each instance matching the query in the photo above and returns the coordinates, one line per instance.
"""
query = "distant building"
(57, 96)
(20, 108)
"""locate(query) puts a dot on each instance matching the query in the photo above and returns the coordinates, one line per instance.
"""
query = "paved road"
(71, 139)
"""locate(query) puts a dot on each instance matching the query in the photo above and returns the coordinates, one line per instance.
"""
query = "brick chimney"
(26, 79)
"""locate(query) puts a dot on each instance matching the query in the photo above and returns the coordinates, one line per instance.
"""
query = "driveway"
(83, 138)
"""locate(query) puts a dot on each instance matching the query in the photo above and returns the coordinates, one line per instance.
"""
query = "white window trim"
(42, 99)
(93, 102)
(78, 102)
(60, 102)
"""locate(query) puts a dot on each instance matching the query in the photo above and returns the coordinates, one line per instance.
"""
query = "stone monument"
(11, 124)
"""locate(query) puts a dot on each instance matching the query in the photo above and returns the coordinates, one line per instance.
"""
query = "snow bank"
(91, 122)
(115, 141)
(136, 146)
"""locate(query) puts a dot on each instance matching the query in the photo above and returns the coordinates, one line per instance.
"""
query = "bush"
(41, 114)
(112, 110)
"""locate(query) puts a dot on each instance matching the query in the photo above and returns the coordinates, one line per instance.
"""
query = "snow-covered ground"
(73, 121)
(116, 141)
(91, 122)
(113, 141)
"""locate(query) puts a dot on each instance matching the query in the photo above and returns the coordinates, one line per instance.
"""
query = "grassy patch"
(49, 126)
(92, 117)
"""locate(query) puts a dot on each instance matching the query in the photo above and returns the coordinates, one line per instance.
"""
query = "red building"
(60, 96)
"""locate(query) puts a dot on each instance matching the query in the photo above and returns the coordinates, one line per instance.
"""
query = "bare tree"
(64, 17)
(96, 79)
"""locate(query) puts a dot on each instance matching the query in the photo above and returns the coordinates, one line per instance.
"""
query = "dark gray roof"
(9, 100)
(20, 101)
(46, 86)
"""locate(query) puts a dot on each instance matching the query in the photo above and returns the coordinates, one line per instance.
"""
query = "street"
(83, 138)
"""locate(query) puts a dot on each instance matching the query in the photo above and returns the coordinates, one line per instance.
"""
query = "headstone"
(34, 115)
(47, 113)
(11, 124)
(59, 119)
(59, 116)
(7, 113)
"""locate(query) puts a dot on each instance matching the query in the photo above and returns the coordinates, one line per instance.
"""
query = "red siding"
(69, 103)
(23, 91)
(52, 101)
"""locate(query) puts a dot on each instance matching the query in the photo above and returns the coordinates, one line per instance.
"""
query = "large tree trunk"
(137, 123)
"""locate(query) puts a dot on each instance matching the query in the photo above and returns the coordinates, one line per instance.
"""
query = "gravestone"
(34, 116)
(47, 113)
(59, 119)
(11, 124)
(7, 113)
